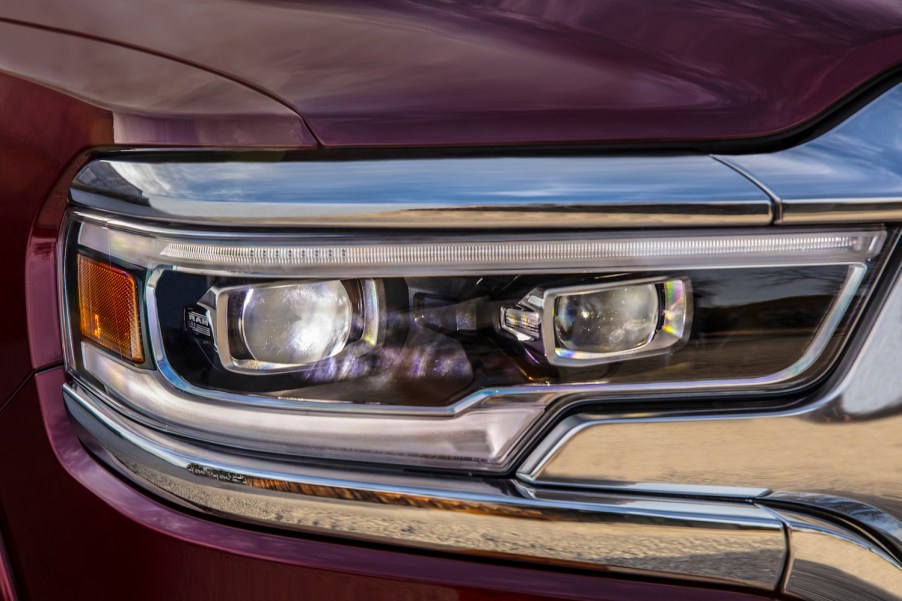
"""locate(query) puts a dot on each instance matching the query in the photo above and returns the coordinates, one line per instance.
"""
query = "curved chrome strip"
(709, 541)
(849, 174)
(829, 563)
(145, 397)
(466, 193)
(884, 529)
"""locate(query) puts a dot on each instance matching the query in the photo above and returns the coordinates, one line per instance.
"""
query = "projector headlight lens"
(607, 321)
(604, 322)
(296, 324)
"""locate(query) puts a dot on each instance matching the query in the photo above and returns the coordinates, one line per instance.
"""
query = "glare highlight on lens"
(296, 324)
(607, 321)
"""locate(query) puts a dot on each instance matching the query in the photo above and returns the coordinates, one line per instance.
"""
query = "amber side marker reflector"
(108, 305)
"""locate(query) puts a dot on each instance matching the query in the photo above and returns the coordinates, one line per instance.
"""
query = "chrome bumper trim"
(829, 564)
(738, 543)
(717, 542)
(465, 193)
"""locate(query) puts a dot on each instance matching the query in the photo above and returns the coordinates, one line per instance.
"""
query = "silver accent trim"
(484, 437)
(732, 543)
(465, 193)
(848, 174)
(830, 563)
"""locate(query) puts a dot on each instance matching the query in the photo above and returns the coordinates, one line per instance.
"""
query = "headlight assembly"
(443, 351)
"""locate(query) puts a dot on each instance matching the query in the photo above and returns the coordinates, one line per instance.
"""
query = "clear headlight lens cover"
(448, 351)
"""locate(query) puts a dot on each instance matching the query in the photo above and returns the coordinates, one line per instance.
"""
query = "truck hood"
(509, 72)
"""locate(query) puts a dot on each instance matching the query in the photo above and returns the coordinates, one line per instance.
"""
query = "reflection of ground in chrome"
(742, 452)
(702, 552)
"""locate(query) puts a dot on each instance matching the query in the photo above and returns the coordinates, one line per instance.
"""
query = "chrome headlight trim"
(532, 320)
(162, 398)
(863, 243)
(460, 193)
(216, 306)
(834, 453)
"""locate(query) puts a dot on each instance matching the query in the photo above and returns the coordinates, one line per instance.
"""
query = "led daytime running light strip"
(381, 256)
(447, 253)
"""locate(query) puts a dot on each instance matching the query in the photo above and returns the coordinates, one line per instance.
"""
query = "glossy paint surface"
(416, 72)
(151, 100)
(49, 131)
(141, 549)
